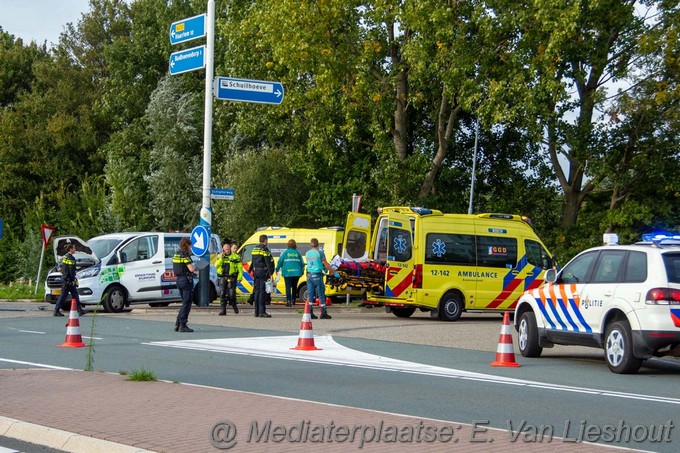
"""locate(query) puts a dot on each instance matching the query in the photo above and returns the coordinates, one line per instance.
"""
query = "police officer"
(262, 269)
(69, 283)
(183, 267)
(230, 269)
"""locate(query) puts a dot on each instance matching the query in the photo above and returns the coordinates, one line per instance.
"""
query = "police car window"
(636, 267)
(576, 271)
(608, 266)
(672, 263)
(494, 251)
(442, 248)
(356, 244)
(399, 245)
(537, 255)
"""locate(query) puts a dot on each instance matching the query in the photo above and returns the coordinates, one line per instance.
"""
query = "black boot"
(325, 315)
(312, 315)
(185, 328)
(176, 326)
(223, 310)
(58, 313)
(235, 306)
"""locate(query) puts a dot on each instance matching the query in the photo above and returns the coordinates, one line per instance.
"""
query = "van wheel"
(618, 349)
(528, 335)
(302, 292)
(115, 299)
(403, 312)
(451, 307)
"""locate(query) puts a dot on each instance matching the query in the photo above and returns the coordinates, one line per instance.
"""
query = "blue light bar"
(651, 237)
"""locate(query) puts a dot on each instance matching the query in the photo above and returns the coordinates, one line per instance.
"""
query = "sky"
(40, 20)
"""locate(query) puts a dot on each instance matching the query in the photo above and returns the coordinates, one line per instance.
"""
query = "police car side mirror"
(550, 276)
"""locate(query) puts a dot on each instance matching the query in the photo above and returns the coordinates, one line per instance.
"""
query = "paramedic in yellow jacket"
(229, 268)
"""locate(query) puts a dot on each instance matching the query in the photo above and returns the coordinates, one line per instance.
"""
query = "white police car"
(622, 298)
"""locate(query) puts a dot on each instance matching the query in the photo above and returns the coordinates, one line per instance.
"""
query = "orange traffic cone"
(73, 338)
(306, 339)
(505, 354)
(329, 301)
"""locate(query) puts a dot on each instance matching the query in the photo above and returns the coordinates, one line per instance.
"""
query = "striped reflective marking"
(397, 283)
(563, 303)
(675, 316)
(560, 307)
(541, 302)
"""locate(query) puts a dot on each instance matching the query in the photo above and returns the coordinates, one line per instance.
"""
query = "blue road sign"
(187, 29)
(222, 194)
(1, 229)
(260, 91)
(200, 240)
(187, 60)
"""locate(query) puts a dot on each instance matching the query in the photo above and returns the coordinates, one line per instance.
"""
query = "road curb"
(60, 440)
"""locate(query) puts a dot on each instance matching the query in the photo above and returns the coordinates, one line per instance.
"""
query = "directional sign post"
(222, 194)
(200, 240)
(187, 60)
(259, 91)
(187, 29)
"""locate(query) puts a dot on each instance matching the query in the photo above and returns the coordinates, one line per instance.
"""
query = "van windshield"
(101, 247)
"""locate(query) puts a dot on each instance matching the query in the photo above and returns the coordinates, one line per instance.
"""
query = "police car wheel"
(114, 302)
(528, 335)
(618, 349)
(450, 307)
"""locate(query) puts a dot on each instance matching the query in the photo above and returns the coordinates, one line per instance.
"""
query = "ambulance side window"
(442, 248)
(247, 253)
(537, 255)
(277, 248)
(494, 251)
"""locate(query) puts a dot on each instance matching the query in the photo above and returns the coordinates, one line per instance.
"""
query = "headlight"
(89, 272)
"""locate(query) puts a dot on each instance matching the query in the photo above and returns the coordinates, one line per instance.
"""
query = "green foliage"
(21, 291)
(141, 375)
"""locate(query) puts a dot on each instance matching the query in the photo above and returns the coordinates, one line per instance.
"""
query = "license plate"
(56, 292)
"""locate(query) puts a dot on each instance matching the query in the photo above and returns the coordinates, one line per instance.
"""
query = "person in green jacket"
(230, 270)
(291, 267)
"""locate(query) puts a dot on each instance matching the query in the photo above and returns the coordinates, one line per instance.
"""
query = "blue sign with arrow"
(187, 29)
(200, 240)
(187, 60)
(259, 91)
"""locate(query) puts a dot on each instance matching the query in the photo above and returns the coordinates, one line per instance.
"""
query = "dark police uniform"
(185, 284)
(68, 284)
(262, 267)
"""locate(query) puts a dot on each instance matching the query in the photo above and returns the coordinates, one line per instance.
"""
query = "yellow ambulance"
(330, 241)
(443, 263)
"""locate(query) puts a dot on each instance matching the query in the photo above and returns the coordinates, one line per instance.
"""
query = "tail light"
(663, 296)
(418, 276)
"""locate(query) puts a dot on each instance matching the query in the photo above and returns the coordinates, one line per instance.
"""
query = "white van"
(121, 269)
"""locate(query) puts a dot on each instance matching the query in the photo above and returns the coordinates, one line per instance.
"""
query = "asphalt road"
(569, 392)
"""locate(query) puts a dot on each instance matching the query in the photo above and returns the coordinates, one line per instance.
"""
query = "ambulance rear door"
(399, 255)
(355, 243)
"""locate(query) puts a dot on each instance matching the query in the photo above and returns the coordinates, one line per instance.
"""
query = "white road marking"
(33, 331)
(40, 365)
(332, 353)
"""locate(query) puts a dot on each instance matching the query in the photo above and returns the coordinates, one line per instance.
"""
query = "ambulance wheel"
(618, 349)
(115, 299)
(451, 307)
(528, 335)
(302, 292)
(403, 312)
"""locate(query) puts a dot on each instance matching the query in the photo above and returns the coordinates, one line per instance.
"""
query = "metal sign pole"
(206, 210)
